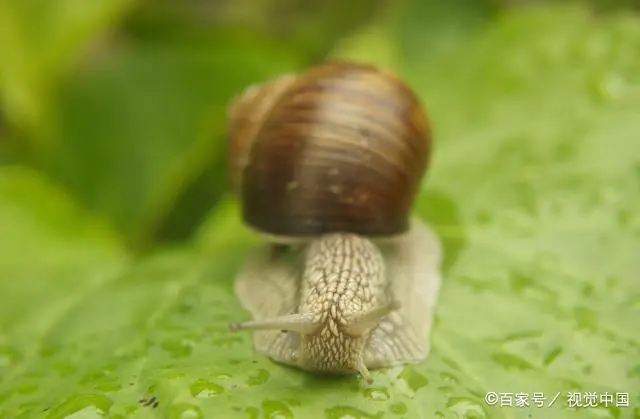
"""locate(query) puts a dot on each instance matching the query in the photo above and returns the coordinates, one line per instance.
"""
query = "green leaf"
(39, 40)
(404, 30)
(139, 130)
(534, 188)
(310, 28)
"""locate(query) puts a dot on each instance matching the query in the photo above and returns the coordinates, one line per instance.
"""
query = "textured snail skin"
(343, 280)
(341, 303)
(342, 147)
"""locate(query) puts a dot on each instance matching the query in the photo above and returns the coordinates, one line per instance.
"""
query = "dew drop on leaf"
(635, 372)
(552, 355)
(95, 405)
(585, 318)
(466, 408)
(414, 380)
(109, 387)
(185, 411)
(350, 412)
(260, 377)
(511, 361)
(176, 375)
(205, 389)
(448, 378)
(176, 348)
(275, 409)
(252, 412)
(398, 408)
(376, 394)
(89, 412)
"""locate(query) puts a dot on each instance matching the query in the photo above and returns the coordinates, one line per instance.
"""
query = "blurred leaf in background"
(112, 136)
(38, 43)
(140, 117)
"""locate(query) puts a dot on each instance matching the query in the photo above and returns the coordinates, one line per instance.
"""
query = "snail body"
(329, 162)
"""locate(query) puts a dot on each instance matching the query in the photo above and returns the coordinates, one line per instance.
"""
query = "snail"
(326, 165)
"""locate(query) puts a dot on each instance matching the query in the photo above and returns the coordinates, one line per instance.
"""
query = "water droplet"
(130, 409)
(448, 378)
(377, 394)
(414, 380)
(109, 387)
(205, 389)
(552, 355)
(185, 411)
(222, 376)
(89, 412)
(585, 318)
(176, 375)
(96, 403)
(8, 356)
(177, 348)
(259, 378)
(252, 412)
(398, 408)
(466, 408)
(635, 372)
(274, 409)
(350, 412)
(510, 361)
(97, 376)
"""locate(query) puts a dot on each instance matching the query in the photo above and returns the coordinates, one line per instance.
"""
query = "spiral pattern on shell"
(342, 147)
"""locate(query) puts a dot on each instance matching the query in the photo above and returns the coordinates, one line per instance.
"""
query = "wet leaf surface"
(534, 188)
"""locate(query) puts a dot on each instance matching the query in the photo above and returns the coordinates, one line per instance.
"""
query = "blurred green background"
(119, 243)
(122, 102)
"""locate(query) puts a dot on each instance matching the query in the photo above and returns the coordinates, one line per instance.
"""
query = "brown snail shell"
(342, 147)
